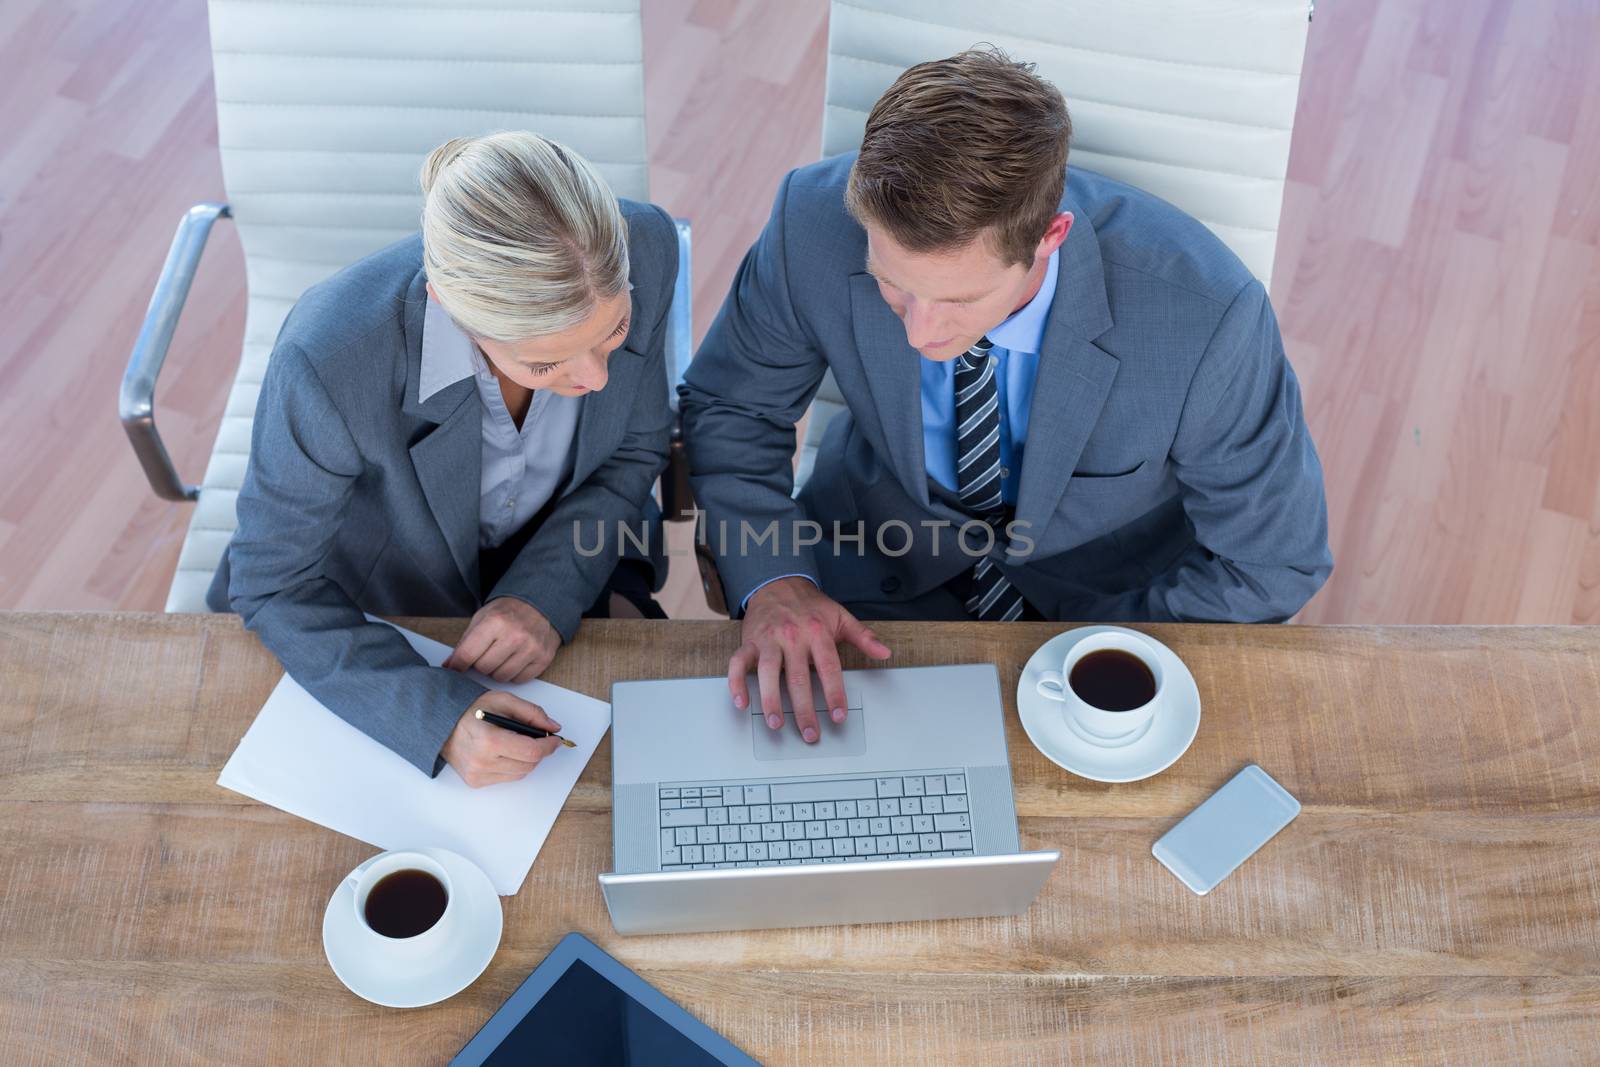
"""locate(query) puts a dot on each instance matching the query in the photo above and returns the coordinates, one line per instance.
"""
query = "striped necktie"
(994, 598)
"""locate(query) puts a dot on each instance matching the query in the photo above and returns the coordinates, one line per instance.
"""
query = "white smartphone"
(1226, 829)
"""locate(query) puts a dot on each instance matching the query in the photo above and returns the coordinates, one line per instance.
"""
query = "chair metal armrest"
(677, 500)
(680, 317)
(136, 403)
(711, 580)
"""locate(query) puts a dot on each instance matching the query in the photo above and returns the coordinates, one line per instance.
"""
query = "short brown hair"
(962, 146)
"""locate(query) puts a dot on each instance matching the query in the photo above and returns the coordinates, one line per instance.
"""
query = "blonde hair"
(520, 236)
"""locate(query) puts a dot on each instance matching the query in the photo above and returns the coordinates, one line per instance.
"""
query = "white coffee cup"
(1098, 723)
(369, 874)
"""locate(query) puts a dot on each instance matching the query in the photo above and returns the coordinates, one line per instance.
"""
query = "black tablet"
(580, 1006)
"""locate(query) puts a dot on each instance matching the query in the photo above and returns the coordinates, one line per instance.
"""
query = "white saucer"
(384, 981)
(1124, 760)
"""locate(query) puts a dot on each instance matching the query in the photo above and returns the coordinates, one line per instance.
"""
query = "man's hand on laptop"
(483, 753)
(790, 626)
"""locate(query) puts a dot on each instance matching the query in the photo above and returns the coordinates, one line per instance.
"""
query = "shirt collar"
(447, 353)
(1024, 330)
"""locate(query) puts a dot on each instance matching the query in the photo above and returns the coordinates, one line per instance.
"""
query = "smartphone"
(1225, 830)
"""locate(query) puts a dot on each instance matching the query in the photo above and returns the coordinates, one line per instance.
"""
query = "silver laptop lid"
(764, 898)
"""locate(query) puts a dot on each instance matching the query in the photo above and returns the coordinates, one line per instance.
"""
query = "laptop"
(904, 811)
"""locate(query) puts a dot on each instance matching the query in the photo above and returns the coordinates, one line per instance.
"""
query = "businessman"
(1067, 399)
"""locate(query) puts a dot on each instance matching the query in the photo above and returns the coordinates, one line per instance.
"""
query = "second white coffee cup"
(409, 949)
(1098, 723)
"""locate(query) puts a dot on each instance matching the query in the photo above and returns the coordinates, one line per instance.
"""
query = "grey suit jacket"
(358, 498)
(1168, 473)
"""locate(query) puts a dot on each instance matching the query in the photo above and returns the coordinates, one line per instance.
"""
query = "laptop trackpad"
(848, 738)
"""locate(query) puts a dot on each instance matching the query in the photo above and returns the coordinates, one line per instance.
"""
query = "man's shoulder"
(1141, 234)
(823, 244)
(813, 197)
(825, 176)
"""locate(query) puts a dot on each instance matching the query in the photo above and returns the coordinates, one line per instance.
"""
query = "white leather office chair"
(1192, 100)
(325, 111)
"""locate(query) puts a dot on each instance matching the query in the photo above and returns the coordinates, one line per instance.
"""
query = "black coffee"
(1113, 680)
(405, 903)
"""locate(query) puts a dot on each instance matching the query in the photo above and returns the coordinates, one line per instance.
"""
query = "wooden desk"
(1438, 900)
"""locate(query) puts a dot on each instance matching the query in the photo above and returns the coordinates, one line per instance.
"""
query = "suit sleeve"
(1251, 484)
(745, 390)
(303, 470)
(550, 573)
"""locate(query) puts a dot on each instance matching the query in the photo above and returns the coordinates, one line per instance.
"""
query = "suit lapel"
(448, 460)
(601, 413)
(449, 465)
(1073, 380)
(1074, 376)
(894, 374)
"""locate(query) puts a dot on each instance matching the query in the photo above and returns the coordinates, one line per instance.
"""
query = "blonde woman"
(446, 428)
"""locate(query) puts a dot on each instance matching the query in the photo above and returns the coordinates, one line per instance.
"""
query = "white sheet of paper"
(304, 759)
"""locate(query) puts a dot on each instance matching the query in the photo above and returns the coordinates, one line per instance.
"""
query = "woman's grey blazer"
(359, 498)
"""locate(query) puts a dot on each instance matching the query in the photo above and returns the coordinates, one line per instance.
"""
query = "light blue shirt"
(522, 468)
(1016, 346)
(1016, 353)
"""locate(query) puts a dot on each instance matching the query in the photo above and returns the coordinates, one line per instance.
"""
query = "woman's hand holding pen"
(507, 639)
(484, 754)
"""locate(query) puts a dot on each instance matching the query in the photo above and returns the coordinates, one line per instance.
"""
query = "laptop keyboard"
(793, 821)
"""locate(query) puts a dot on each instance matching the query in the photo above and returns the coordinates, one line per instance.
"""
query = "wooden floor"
(1438, 279)
(1439, 287)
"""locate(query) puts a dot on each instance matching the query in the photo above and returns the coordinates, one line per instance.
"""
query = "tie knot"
(975, 357)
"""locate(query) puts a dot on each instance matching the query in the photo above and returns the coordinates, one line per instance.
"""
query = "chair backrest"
(1192, 100)
(325, 111)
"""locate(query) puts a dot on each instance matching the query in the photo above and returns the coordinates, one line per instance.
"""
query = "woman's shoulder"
(650, 228)
(363, 304)
(652, 247)
(349, 331)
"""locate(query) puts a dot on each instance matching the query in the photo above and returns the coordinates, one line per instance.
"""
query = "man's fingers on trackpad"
(797, 678)
(805, 713)
(830, 675)
(768, 672)
(806, 722)
(817, 703)
(739, 667)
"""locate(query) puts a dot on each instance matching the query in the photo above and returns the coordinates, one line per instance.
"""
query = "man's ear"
(435, 296)
(1055, 234)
